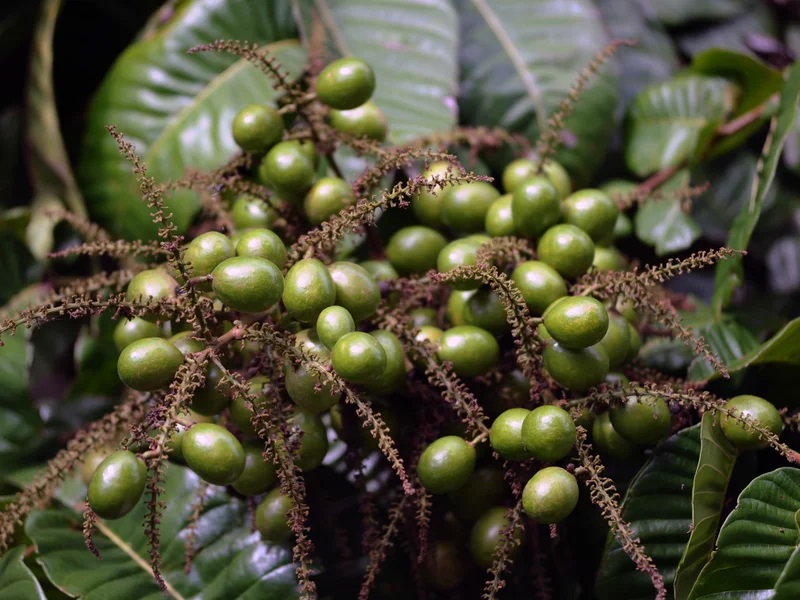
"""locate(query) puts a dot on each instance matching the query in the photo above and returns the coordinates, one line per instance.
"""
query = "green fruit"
(593, 211)
(128, 331)
(535, 206)
(149, 364)
(262, 243)
(212, 398)
(213, 453)
(635, 343)
(249, 211)
(500, 218)
(616, 341)
(459, 253)
(358, 357)
(445, 567)
(548, 433)
(446, 464)
(486, 487)
(754, 410)
(287, 168)
(471, 350)
(609, 442)
(272, 517)
(366, 120)
(117, 485)
(524, 168)
(205, 252)
(464, 206)
(345, 83)
(308, 289)
(505, 435)
(356, 289)
(423, 316)
(539, 284)
(576, 370)
(623, 227)
(566, 248)
(327, 197)
(308, 390)
(488, 533)
(455, 306)
(432, 335)
(258, 475)
(414, 249)
(334, 322)
(247, 284)
(92, 461)
(313, 439)
(257, 127)
(576, 321)
(393, 376)
(154, 285)
(608, 259)
(381, 270)
(550, 495)
(558, 176)
(427, 204)
(484, 309)
(186, 343)
(642, 421)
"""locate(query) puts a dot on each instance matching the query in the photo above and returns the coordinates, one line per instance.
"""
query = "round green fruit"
(550, 495)
(117, 484)
(471, 350)
(333, 323)
(249, 211)
(414, 249)
(154, 285)
(535, 206)
(366, 120)
(272, 517)
(464, 206)
(393, 376)
(459, 253)
(505, 435)
(500, 218)
(609, 441)
(446, 464)
(358, 357)
(423, 316)
(257, 127)
(486, 487)
(356, 289)
(149, 364)
(485, 310)
(206, 251)
(247, 283)
(258, 474)
(455, 306)
(576, 321)
(327, 197)
(642, 421)
(576, 370)
(548, 433)
(262, 243)
(566, 248)
(617, 340)
(754, 410)
(608, 258)
(128, 331)
(308, 290)
(593, 211)
(214, 396)
(381, 270)
(287, 168)
(345, 83)
(539, 284)
(427, 204)
(213, 453)
(488, 533)
(313, 439)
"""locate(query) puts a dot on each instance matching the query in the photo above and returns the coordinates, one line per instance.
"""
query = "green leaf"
(680, 12)
(177, 108)
(230, 561)
(757, 541)
(783, 347)
(519, 58)
(729, 340)
(729, 273)
(663, 224)
(412, 45)
(16, 580)
(673, 121)
(714, 468)
(658, 505)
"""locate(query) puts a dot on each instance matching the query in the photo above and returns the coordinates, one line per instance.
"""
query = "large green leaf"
(412, 45)
(783, 347)
(230, 561)
(658, 505)
(729, 273)
(664, 225)
(673, 121)
(16, 580)
(519, 58)
(757, 541)
(714, 468)
(177, 108)
(729, 340)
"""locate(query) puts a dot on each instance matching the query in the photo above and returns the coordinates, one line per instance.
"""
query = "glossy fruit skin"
(262, 243)
(488, 533)
(616, 341)
(327, 197)
(258, 475)
(576, 370)
(257, 127)
(272, 517)
(499, 220)
(576, 322)
(308, 289)
(127, 331)
(117, 484)
(394, 373)
(414, 249)
(249, 211)
(446, 464)
(524, 168)
(608, 258)
(634, 342)
(213, 453)
(206, 251)
(464, 206)
(754, 409)
(314, 440)
(422, 316)
(247, 283)
(333, 323)
(366, 120)
(381, 270)
(459, 253)
(356, 289)
(484, 309)
(593, 211)
(642, 421)
(287, 168)
(184, 342)
(444, 567)
(149, 364)
(471, 350)
(305, 387)
(609, 442)
(550, 495)
(92, 461)
(548, 433)
(486, 487)
(427, 205)
(345, 83)
(535, 206)
(539, 283)
(558, 176)
(566, 248)
(152, 284)
(358, 357)
(455, 306)
(505, 436)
